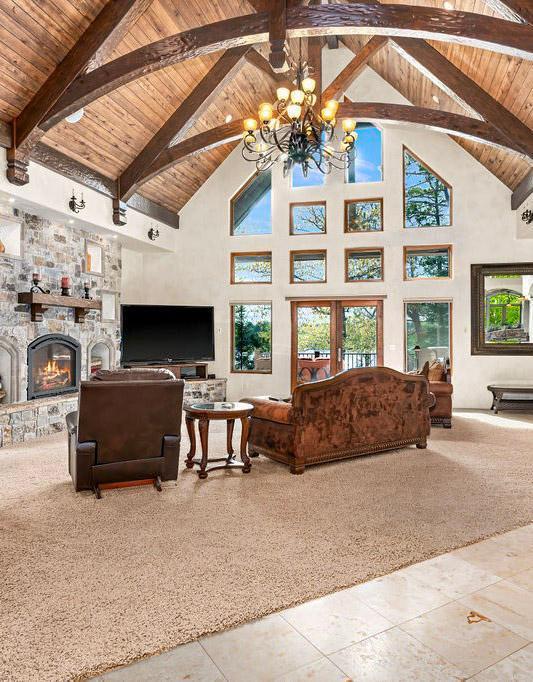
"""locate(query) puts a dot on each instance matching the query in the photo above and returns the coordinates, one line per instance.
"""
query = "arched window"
(251, 210)
(366, 159)
(503, 309)
(427, 197)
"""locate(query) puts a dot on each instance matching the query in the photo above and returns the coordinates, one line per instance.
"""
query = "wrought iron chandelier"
(292, 129)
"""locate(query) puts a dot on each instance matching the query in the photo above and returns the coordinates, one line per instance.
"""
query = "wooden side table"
(206, 412)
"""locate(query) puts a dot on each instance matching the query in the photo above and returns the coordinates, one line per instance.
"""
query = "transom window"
(308, 266)
(308, 217)
(365, 160)
(251, 268)
(250, 208)
(364, 265)
(251, 337)
(427, 197)
(363, 215)
(427, 262)
(427, 333)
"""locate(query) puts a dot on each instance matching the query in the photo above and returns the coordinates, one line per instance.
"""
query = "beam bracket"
(17, 167)
(119, 212)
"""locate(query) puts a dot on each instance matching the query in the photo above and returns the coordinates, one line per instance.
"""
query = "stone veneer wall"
(55, 249)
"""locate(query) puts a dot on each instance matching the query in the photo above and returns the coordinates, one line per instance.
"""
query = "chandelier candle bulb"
(294, 111)
(327, 114)
(265, 112)
(333, 105)
(283, 94)
(250, 124)
(308, 85)
(348, 125)
(297, 96)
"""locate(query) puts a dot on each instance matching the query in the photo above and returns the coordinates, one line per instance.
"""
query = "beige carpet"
(87, 585)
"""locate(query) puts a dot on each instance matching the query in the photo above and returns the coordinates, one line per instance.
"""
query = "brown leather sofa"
(127, 428)
(440, 384)
(356, 412)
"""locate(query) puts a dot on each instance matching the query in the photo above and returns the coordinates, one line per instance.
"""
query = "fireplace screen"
(53, 366)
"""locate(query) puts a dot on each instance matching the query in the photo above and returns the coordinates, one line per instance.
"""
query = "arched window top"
(504, 297)
(366, 160)
(251, 207)
(427, 197)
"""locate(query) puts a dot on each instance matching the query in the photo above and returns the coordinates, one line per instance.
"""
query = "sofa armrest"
(431, 400)
(82, 460)
(171, 453)
(271, 410)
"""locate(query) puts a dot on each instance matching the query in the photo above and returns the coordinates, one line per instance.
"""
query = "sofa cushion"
(436, 371)
(271, 410)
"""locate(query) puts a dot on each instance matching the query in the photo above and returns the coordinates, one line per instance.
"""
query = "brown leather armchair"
(356, 412)
(127, 428)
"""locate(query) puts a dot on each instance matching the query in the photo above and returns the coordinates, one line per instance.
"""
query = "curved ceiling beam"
(433, 119)
(466, 28)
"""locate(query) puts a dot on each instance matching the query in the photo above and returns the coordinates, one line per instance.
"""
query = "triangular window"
(251, 210)
(427, 197)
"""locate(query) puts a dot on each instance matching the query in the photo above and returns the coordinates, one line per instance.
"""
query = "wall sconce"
(153, 233)
(527, 216)
(75, 205)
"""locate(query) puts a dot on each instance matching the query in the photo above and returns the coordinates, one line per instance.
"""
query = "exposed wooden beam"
(177, 126)
(394, 20)
(523, 191)
(433, 119)
(514, 10)
(350, 72)
(116, 36)
(428, 59)
(256, 59)
(277, 35)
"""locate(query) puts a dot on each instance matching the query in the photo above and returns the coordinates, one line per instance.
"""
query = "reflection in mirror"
(508, 310)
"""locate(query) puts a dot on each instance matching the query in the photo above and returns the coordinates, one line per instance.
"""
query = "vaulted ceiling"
(36, 35)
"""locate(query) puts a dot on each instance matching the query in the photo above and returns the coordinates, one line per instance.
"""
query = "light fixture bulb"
(297, 96)
(327, 114)
(308, 85)
(435, 99)
(294, 111)
(348, 125)
(250, 124)
(265, 112)
(76, 116)
(11, 200)
(333, 105)
(448, 5)
(229, 118)
(283, 94)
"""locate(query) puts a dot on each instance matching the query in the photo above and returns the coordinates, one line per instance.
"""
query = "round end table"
(206, 412)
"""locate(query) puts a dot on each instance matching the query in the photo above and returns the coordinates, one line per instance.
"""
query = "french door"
(331, 335)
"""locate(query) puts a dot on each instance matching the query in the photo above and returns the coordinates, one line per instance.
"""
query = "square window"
(364, 265)
(427, 262)
(427, 333)
(251, 334)
(308, 218)
(308, 266)
(251, 268)
(363, 215)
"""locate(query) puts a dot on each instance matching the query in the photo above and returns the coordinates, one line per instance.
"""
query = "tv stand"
(190, 371)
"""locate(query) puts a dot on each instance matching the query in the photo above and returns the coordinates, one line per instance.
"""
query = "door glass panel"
(313, 331)
(359, 336)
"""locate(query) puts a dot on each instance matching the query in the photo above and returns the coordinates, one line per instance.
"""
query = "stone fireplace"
(54, 365)
(42, 362)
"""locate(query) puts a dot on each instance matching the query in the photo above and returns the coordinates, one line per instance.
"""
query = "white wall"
(484, 230)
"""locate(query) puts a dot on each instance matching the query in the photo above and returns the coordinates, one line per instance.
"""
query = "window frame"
(232, 333)
(420, 247)
(242, 189)
(292, 204)
(235, 254)
(310, 281)
(439, 177)
(433, 299)
(347, 202)
(363, 249)
(369, 182)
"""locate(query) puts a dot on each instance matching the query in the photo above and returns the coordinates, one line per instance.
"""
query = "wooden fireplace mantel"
(40, 302)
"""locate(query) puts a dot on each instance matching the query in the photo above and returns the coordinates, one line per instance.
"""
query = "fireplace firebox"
(54, 366)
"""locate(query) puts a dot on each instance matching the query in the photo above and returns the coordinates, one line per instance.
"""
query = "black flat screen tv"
(155, 334)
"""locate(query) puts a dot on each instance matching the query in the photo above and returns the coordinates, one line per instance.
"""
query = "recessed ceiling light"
(76, 116)
(11, 200)
(71, 221)
(229, 118)
(448, 5)
(435, 99)
(115, 236)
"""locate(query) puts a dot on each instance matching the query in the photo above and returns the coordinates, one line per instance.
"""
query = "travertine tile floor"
(464, 615)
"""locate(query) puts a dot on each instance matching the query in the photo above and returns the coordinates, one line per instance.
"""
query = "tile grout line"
(501, 659)
(210, 658)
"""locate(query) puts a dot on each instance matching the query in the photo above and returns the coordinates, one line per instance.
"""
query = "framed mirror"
(502, 309)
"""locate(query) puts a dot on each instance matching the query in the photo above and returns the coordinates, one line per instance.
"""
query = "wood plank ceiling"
(36, 34)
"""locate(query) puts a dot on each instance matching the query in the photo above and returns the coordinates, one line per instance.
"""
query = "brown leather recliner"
(127, 428)
(356, 412)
